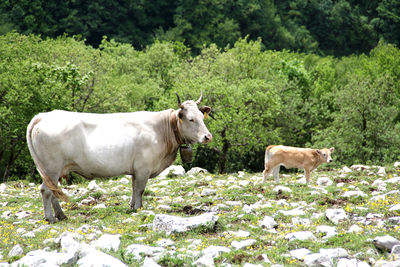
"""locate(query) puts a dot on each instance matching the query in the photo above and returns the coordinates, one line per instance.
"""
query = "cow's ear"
(318, 151)
(332, 149)
(205, 109)
(180, 114)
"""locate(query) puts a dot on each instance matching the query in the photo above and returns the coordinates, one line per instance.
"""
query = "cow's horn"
(200, 98)
(179, 100)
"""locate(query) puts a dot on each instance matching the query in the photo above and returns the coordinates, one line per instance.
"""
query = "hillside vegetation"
(258, 97)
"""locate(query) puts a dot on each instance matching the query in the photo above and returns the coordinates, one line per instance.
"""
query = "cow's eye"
(191, 120)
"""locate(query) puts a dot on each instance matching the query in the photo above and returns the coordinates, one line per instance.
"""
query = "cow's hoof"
(51, 220)
(61, 217)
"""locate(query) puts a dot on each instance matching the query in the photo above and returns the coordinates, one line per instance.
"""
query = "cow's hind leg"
(276, 173)
(47, 196)
(57, 209)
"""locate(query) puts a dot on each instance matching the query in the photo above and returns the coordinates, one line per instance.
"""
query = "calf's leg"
(271, 168)
(307, 173)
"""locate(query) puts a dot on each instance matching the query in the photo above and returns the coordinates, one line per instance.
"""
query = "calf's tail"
(46, 178)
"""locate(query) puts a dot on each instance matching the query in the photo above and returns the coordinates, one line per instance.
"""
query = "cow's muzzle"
(207, 138)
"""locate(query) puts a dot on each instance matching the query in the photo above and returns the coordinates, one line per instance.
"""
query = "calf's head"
(191, 121)
(325, 154)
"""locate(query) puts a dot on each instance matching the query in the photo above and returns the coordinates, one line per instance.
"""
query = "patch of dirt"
(239, 258)
(189, 210)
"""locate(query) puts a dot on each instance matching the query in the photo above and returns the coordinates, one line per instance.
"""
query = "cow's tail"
(267, 155)
(46, 178)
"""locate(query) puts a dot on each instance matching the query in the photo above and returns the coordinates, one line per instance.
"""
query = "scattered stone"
(16, 251)
(324, 181)
(124, 180)
(302, 235)
(355, 229)
(354, 194)
(149, 262)
(360, 167)
(381, 171)
(99, 259)
(173, 170)
(334, 253)
(385, 242)
(351, 263)
(243, 244)
(346, 169)
(293, 212)
(107, 242)
(268, 222)
(92, 186)
(196, 170)
(329, 231)
(282, 189)
(394, 220)
(394, 207)
(46, 258)
(396, 251)
(208, 192)
(317, 259)
(300, 253)
(137, 251)
(239, 233)
(336, 215)
(173, 224)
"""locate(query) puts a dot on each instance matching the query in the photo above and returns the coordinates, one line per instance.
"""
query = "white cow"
(294, 157)
(141, 144)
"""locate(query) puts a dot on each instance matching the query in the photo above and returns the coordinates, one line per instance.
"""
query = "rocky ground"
(344, 217)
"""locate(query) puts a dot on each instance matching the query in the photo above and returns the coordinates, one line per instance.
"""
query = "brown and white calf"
(294, 157)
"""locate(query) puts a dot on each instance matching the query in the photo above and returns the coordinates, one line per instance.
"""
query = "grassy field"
(240, 200)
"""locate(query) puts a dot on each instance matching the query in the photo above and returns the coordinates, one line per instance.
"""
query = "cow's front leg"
(139, 181)
(57, 209)
(307, 173)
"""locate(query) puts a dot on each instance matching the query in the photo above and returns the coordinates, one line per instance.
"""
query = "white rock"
(336, 215)
(355, 229)
(385, 242)
(165, 243)
(381, 171)
(214, 251)
(396, 251)
(396, 164)
(293, 212)
(394, 180)
(334, 253)
(208, 192)
(356, 193)
(100, 206)
(16, 251)
(281, 188)
(394, 220)
(45, 258)
(138, 250)
(149, 262)
(317, 259)
(346, 169)
(205, 260)
(328, 230)
(3, 188)
(196, 170)
(360, 167)
(351, 263)
(300, 253)
(383, 263)
(251, 265)
(107, 242)
(99, 259)
(240, 233)
(324, 181)
(94, 187)
(301, 221)
(243, 244)
(268, 222)
(124, 180)
(395, 207)
(173, 224)
(244, 183)
(208, 178)
(302, 235)
(241, 174)
(173, 170)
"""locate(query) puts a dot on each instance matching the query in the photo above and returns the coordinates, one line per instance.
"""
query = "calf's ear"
(318, 151)
(332, 149)
(205, 109)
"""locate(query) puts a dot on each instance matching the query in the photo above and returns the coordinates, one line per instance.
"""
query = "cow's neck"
(174, 125)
